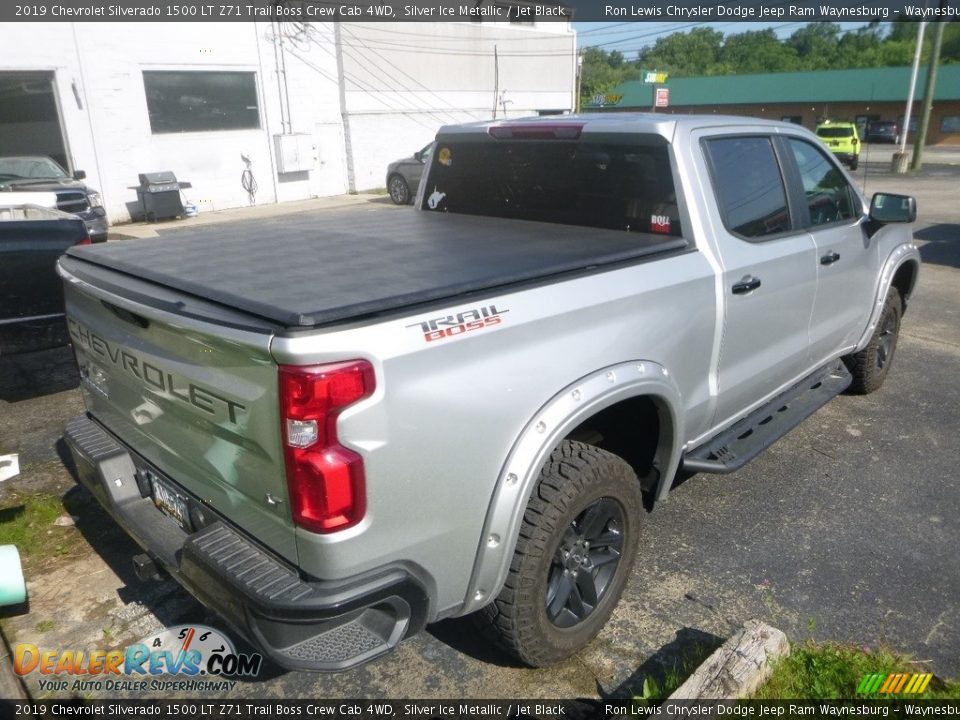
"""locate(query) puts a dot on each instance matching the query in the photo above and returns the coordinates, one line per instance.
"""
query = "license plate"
(169, 501)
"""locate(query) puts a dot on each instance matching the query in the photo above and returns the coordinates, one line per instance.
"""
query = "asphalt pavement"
(845, 530)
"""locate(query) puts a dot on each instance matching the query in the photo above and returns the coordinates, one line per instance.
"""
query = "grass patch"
(661, 684)
(46, 626)
(26, 520)
(831, 671)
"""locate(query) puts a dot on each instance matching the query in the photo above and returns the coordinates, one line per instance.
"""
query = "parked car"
(403, 176)
(37, 173)
(882, 131)
(31, 294)
(843, 141)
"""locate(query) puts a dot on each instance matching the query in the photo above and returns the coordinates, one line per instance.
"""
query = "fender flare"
(901, 255)
(541, 435)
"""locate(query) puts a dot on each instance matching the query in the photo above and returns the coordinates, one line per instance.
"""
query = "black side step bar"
(735, 447)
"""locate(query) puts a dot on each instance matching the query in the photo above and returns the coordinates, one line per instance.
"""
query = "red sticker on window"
(660, 224)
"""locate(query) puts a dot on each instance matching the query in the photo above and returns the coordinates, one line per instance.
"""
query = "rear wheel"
(576, 547)
(399, 192)
(855, 163)
(870, 366)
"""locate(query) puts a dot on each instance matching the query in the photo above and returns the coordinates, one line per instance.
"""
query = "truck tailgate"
(190, 388)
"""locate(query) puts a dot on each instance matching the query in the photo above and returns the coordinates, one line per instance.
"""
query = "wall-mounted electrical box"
(296, 152)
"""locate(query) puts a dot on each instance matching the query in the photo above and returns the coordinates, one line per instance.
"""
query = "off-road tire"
(577, 479)
(869, 367)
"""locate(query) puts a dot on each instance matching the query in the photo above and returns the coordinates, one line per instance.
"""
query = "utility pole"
(921, 140)
(496, 81)
(900, 158)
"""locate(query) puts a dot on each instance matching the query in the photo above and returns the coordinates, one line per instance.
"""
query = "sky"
(628, 37)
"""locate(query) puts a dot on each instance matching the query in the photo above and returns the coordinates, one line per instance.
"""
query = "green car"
(842, 140)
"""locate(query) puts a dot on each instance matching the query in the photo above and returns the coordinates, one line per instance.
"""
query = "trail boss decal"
(450, 325)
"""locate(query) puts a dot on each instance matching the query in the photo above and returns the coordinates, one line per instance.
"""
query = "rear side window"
(624, 184)
(749, 186)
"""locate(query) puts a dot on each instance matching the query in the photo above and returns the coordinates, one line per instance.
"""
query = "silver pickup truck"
(335, 435)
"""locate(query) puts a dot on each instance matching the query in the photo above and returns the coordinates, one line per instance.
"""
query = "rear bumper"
(299, 623)
(845, 157)
(96, 221)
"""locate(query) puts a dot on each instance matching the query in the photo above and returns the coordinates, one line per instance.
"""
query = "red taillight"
(326, 480)
(85, 241)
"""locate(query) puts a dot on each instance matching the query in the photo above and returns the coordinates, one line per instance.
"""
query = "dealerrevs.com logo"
(190, 654)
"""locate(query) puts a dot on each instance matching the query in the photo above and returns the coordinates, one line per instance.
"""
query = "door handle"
(830, 258)
(748, 284)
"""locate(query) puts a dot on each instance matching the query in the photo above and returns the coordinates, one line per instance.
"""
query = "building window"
(950, 124)
(914, 123)
(200, 101)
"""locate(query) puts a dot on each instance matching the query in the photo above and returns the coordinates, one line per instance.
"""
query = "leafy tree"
(816, 45)
(601, 71)
(694, 53)
(758, 51)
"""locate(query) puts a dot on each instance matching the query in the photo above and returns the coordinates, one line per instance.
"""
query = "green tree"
(816, 46)
(600, 72)
(758, 51)
(693, 53)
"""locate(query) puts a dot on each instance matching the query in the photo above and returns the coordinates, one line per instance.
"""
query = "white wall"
(404, 81)
(401, 83)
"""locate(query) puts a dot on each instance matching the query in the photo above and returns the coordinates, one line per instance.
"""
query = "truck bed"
(307, 270)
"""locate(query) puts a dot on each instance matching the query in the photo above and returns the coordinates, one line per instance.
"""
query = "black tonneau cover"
(310, 269)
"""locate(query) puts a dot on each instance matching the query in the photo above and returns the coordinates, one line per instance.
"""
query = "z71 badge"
(451, 325)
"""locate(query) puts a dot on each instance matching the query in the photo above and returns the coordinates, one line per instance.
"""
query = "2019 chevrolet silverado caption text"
(341, 435)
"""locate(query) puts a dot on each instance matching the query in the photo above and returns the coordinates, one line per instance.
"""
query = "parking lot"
(845, 530)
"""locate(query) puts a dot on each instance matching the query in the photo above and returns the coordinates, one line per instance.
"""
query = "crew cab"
(334, 435)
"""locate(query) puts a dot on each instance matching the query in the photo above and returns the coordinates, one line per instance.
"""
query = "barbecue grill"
(159, 194)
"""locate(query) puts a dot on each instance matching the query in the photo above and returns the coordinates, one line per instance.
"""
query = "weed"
(26, 520)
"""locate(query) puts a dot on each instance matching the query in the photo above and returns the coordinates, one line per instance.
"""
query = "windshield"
(615, 184)
(32, 168)
(835, 132)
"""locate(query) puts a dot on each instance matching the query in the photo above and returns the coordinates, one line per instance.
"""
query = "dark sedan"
(403, 176)
(882, 131)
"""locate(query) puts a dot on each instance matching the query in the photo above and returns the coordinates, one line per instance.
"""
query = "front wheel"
(854, 164)
(399, 192)
(576, 548)
(870, 366)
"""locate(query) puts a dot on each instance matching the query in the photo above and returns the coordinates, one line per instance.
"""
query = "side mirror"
(79, 175)
(888, 208)
(416, 156)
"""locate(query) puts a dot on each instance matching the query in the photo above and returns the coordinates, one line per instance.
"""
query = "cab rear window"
(835, 132)
(603, 183)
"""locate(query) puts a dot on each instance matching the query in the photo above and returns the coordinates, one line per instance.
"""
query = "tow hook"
(145, 567)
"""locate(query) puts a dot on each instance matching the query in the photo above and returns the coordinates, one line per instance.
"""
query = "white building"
(208, 100)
